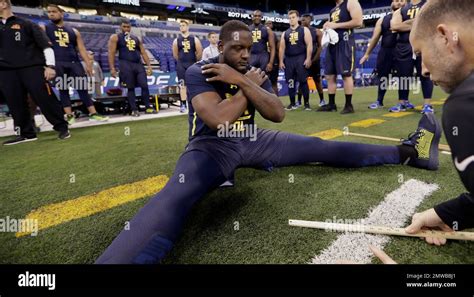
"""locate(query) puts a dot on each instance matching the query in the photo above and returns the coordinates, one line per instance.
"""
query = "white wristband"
(49, 56)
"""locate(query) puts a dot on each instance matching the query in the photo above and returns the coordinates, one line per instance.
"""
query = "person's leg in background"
(181, 72)
(331, 78)
(302, 77)
(42, 93)
(404, 68)
(142, 82)
(16, 97)
(156, 227)
(345, 56)
(61, 83)
(427, 87)
(290, 76)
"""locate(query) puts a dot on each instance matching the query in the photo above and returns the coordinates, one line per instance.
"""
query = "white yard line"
(395, 211)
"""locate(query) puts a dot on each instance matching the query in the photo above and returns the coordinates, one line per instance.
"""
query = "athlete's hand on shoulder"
(428, 219)
(222, 72)
(49, 73)
(257, 76)
(364, 59)
(113, 72)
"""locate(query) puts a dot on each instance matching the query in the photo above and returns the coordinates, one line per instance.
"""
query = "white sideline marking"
(394, 211)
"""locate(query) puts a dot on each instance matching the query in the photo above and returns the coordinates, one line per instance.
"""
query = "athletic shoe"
(70, 119)
(322, 102)
(298, 104)
(328, 107)
(150, 111)
(37, 129)
(307, 107)
(135, 113)
(98, 118)
(398, 108)
(427, 109)
(425, 140)
(64, 135)
(182, 109)
(19, 139)
(290, 107)
(376, 105)
(348, 109)
(408, 105)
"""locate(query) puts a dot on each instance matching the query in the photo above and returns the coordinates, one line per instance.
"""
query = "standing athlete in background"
(26, 66)
(67, 42)
(315, 69)
(187, 50)
(296, 48)
(273, 75)
(385, 58)
(340, 57)
(263, 40)
(402, 22)
(132, 73)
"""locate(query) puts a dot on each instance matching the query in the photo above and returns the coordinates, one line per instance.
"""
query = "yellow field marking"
(328, 134)
(367, 123)
(58, 213)
(437, 102)
(397, 114)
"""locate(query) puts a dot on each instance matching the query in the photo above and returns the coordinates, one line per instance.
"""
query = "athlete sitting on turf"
(224, 90)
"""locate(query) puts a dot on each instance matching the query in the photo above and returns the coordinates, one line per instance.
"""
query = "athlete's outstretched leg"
(301, 149)
(157, 225)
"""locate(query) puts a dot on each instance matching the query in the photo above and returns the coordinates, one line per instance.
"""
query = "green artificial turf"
(38, 173)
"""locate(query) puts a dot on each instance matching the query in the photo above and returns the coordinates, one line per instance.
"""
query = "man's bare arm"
(214, 111)
(112, 50)
(397, 24)
(266, 103)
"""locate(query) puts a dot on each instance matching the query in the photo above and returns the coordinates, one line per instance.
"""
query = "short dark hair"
(55, 6)
(210, 34)
(294, 12)
(307, 15)
(232, 26)
(435, 12)
(125, 21)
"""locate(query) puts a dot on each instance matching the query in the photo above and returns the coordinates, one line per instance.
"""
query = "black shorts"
(132, 75)
(259, 60)
(385, 62)
(315, 70)
(181, 71)
(340, 58)
(295, 70)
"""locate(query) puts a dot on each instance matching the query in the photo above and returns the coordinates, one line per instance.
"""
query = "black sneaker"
(19, 139)
(348, 109)
(290, 107)
(135, 113)
(64, 135)
(425, 140)
(307, 107)
(328, 108)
